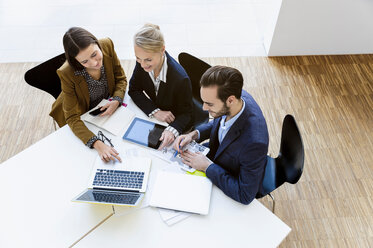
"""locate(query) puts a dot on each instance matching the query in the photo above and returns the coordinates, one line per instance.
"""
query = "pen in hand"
(175, 153)
(178, 150)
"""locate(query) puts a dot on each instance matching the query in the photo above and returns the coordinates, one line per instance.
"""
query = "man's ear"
(230, 100)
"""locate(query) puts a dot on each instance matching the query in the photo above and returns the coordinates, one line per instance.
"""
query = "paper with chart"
(172, 156)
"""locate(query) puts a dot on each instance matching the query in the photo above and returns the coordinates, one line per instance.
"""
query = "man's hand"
(165, 116)
(184, 140)
(196, 160)
(110, 108)
(106, 152)
(167, 138)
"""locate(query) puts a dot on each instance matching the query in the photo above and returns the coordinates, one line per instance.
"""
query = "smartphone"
(97, 111)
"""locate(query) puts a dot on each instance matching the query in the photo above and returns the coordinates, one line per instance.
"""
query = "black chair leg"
(273, 202)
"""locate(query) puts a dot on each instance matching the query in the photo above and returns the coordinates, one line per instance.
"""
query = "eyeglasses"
(103, 138)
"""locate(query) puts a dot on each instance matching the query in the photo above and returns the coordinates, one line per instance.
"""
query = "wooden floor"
(331, 98)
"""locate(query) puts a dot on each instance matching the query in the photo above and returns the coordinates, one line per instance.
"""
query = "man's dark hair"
(75, 40)
(229, 81)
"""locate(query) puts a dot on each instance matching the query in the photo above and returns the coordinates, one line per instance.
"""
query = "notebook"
(181, 192)
(117, 183)
(114, 123)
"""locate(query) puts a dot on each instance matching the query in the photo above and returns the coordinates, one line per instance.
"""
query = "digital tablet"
(144, 132)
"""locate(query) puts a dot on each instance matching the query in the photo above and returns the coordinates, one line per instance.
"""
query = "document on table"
(171, 217)
(181, 192)
(172, 156)
(114, 123)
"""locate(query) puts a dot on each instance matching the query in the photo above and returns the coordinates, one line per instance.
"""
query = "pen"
(176, 151)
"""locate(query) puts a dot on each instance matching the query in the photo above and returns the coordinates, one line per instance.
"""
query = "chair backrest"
(288, 166)
(290, 160)
(200, 116)
(195, 68)
(44, 76)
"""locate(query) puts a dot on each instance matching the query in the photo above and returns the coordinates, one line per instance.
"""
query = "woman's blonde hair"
(149, 38)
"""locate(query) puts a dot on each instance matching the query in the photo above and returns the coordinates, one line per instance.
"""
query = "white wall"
(313, 27)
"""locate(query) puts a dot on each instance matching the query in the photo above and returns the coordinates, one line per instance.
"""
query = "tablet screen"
(144, 133)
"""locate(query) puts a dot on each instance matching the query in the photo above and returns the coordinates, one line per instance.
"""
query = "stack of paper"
(171, 217)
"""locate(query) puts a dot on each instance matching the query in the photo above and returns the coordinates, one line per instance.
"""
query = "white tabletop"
(37, 185)
(228, 224)
(36, 188)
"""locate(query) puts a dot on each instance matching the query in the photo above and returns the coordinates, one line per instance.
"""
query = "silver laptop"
(117, 183)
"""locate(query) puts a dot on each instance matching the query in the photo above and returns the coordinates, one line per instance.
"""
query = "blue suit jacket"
(239, 161)
(175, 95)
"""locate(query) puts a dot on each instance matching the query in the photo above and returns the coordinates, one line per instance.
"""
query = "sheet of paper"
(181, 192)
(171, 156)
(114, 123)
(178, 218)
(171, 217)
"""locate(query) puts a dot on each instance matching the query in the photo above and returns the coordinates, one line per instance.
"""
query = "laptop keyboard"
(119, 179)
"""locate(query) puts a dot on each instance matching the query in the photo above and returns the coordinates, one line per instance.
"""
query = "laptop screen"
(144, 133)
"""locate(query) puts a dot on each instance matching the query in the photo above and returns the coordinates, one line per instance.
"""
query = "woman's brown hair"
(75, 40)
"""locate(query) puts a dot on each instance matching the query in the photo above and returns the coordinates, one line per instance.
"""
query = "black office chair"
(288, 166)
(44, 76)
(200, 116)
(195, 68)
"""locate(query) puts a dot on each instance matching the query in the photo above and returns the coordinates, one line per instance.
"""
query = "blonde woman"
(159, 85)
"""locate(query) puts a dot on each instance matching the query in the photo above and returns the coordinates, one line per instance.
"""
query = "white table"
(36, 188)
(37, 185)
(229, 224)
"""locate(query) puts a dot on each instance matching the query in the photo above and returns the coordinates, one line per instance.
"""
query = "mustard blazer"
(74, 98)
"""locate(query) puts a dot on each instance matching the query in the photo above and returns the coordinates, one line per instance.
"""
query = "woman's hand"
(165, 116)
(110, 107)
(167, 138)
(106, 152)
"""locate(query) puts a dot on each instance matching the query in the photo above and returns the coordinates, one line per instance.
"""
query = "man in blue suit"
(238, 136)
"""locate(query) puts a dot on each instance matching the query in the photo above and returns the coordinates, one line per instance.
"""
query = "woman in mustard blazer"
(92, 72)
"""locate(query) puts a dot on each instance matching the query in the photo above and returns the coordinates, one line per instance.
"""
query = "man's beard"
(224, 111)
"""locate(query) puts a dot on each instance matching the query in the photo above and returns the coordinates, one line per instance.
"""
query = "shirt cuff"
(153, 112)
(211, 163)
(91, 141)
(119, 99)
(198, 134)
(172, 130)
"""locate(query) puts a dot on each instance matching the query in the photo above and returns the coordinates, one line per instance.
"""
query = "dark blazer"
(74, 98)
(239, 161)
(175, 95)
